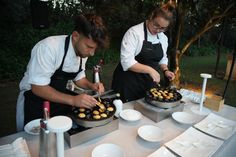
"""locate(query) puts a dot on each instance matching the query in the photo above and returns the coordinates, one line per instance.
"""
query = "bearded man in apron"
(53, 62)
(143, 52)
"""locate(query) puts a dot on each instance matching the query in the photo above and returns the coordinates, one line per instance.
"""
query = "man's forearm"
(84, 83)
(51, 94)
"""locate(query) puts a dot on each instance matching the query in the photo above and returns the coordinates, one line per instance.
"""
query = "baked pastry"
(96, 113)
(163, 94)
(81, 115)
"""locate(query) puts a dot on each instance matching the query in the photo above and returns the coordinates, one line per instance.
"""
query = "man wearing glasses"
(143, 51)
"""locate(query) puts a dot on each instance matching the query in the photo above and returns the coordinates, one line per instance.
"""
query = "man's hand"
(84, 101)
(98, 87)
(170, 75)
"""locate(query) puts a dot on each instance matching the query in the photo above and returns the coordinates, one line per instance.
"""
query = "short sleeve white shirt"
(132, 43)
(46, 58)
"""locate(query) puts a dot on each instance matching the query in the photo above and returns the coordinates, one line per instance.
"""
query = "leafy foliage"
(18, 37)
(205, 50)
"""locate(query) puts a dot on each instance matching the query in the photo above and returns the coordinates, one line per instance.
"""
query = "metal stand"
(200, 110)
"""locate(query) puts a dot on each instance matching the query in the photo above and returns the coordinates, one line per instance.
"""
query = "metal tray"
(94, 122)
(163, 104)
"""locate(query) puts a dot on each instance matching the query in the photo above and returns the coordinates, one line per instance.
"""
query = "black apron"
(34, 105)
(132, 85)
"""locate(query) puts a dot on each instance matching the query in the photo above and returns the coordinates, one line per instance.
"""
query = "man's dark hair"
(92, 27)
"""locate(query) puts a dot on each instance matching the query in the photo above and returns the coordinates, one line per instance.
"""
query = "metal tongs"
(71, 86)
(105, 95)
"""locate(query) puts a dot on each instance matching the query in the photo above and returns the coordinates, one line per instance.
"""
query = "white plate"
(150, 133)
(130, 115)
(217, 126)
(185, 118)
(194, 143)
(108, 150)
(33, 127)
(162, 152)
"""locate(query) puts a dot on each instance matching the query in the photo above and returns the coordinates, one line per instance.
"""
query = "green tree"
(202, 16)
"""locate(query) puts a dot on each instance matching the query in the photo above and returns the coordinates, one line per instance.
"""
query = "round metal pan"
(163, 104)
(88, 123)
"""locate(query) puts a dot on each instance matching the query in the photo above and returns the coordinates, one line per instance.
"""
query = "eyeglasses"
(156, 26)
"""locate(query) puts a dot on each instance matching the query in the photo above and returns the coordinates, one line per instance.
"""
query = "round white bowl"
(130, 115)
(108, 150)
(185, 118)
(150, 133)
(33, 127)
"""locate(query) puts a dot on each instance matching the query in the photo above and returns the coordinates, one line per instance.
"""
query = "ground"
(8, 95)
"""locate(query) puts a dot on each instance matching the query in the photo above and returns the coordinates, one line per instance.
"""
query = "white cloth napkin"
(191, 95)
(193, 143)
(162, 152)
(217, 126)
(18, 148)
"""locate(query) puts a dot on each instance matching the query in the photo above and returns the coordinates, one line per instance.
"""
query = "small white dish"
(33, 127)
(150, 133)
(130, 115)
(108, 150)
(184, 117)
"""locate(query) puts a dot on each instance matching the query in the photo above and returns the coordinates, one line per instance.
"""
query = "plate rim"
(30, 123)
(133, 110)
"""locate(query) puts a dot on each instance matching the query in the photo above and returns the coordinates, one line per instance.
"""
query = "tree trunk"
(176, 81)
(175, 54)
(220, 43)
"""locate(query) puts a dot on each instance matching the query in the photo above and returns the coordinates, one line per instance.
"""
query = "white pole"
(203, 94)
(58, 125)
(205, 77)
(60, 144)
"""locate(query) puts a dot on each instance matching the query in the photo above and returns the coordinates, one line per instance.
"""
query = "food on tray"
(97, 116)
(104, 115)
(81, 115)
(110, 109)
(97, 113)
(163, 94)
(82, 109)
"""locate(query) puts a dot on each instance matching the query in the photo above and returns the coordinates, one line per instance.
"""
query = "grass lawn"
(192, 67)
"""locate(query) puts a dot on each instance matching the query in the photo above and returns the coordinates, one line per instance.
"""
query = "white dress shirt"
(132, 43)
(46, 58)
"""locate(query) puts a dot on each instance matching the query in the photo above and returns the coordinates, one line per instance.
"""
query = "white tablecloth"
(126, 137)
